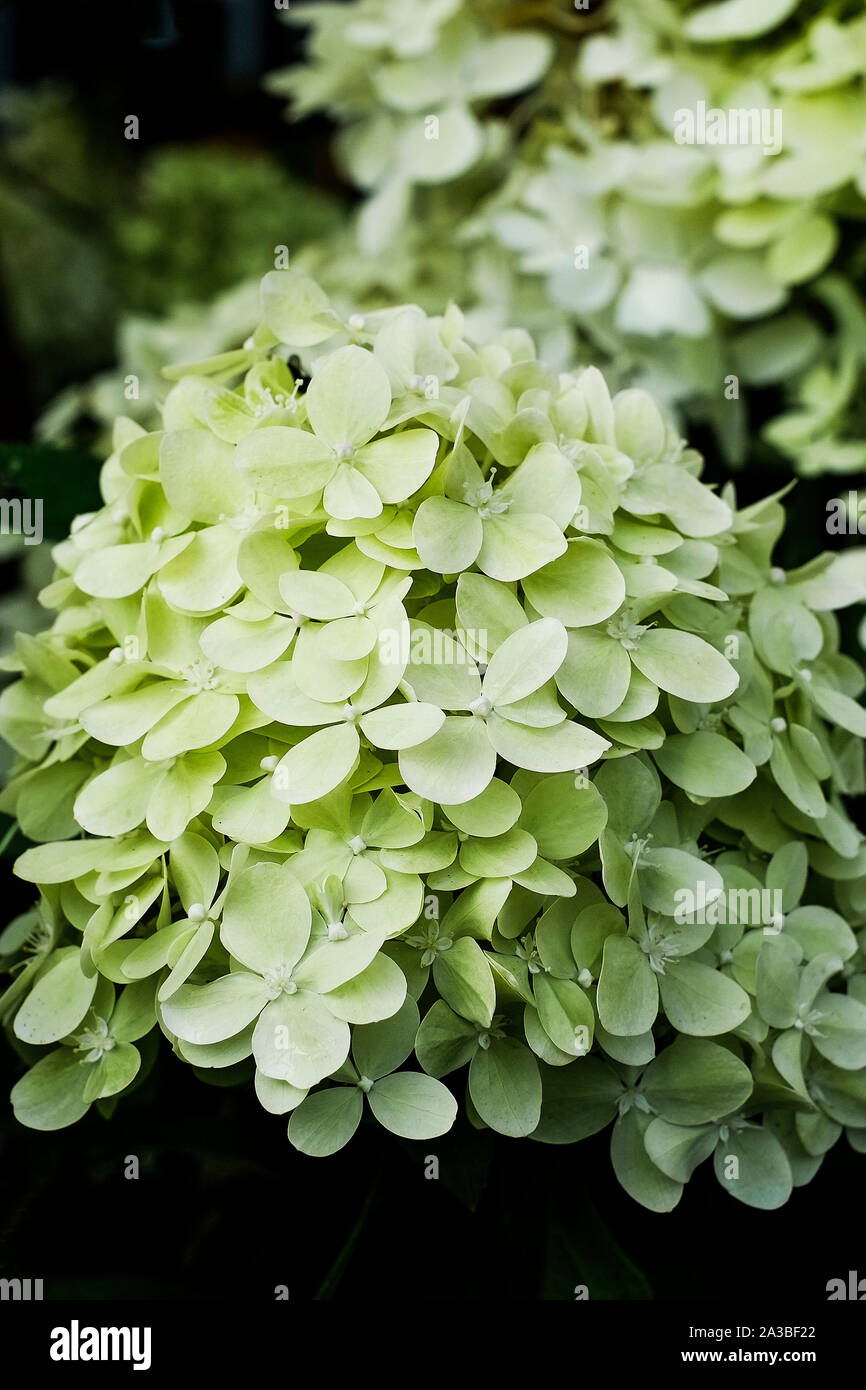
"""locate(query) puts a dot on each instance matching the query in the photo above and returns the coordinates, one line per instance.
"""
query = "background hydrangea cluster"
(526, 155)
(398, 699)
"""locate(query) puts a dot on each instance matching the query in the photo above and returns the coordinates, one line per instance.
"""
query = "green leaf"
(464, 981)
(266, 918)
(701, 1001)
(684, 665)
(58, 1001)
(379, 1048)
(325, 1122)
(566, 1014)
(51, 1094)
(578, 1100)
(584, 586)
(348, 398)
(677, 1150)
(635, 1169)
(705, 764)
(413, 1105)
(524, 661)
(564, 815)
(694, 1081)
(445, 1041)
(752, 1166)
(297, 1039)
(210, 1013)
(628, 995)
(505, 1087)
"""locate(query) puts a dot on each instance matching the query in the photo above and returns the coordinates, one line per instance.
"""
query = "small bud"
(482, 706)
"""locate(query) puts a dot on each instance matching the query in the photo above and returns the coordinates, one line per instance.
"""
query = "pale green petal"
(349, 397)
(447, 535)
(198, 722)
(453, 766)
(349, 494)
(182, 793)
(595, 674)
(524, 661)
(204, 578)
(371, 996)
(249, 815)
(566, 747)
(51, 1094)
(285, 462)
(298, 1039)
(402, 726)
(316, 594)
(684, 665)
(199, 476)
(582, 587)
(400, 464)
(317, 764)
(116, 800)
(413, 1105)
(516, 545)
(124, 719)
(325, 1122)
(58, 1001)
(266, 918)
(241, 646)
(210, 1013)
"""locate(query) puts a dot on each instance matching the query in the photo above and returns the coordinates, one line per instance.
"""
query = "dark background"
(223, 1206)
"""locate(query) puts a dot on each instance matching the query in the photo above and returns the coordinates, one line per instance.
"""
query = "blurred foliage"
(207, 218)
(88, 239)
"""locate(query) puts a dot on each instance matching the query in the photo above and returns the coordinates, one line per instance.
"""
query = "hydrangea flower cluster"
(586, 211)
(421, 729)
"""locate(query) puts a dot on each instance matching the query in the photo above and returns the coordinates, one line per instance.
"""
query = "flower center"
(279, 981)
(200, 675)
(95, 1042)
(483, 499)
